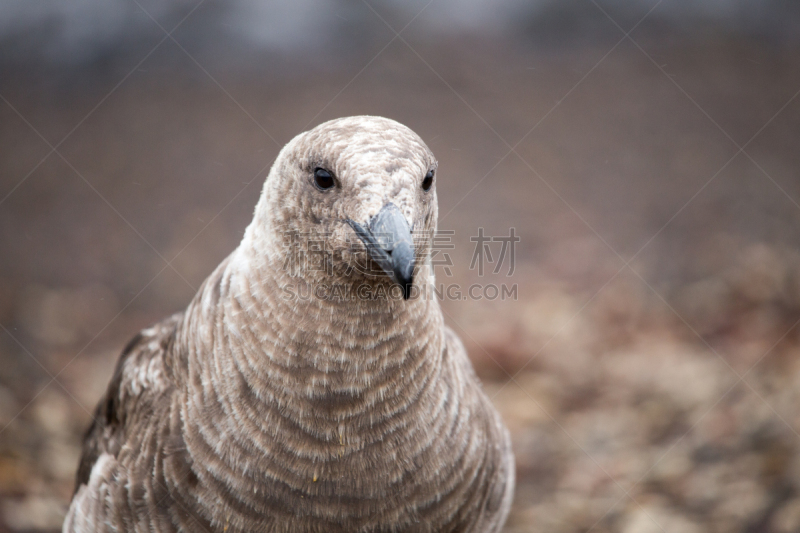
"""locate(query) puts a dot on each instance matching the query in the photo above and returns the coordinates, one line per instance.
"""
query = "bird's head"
(352, 199)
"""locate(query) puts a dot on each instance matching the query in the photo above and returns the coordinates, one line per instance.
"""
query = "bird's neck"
(288, 346)
(311, 393)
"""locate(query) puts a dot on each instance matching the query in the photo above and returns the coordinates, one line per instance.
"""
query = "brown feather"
(254, 411)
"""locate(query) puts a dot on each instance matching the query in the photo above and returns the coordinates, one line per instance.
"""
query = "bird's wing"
(498, 460)
(139, 379)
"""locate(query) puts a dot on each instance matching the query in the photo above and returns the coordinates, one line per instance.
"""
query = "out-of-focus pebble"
(787, 518)
(34, 513)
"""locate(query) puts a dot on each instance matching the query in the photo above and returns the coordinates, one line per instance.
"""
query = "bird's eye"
(323, 179)
(427, 182)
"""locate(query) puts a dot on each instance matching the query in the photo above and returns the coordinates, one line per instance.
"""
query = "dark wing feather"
(138, 379)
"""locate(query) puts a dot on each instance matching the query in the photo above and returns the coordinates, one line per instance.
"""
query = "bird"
(310, 385)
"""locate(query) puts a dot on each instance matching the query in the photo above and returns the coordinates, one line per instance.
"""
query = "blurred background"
(644, 151)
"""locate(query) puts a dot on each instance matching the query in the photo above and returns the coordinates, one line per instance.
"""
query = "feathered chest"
(309, 442)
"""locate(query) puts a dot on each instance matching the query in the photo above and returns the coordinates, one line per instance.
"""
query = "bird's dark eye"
(427, 181)
(323, 179)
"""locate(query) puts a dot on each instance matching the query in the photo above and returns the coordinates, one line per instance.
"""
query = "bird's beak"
(389, 243)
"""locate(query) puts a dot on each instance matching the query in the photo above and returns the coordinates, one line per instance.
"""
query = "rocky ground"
(635, 420)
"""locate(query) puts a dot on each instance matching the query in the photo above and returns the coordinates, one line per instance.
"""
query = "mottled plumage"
(268, 407)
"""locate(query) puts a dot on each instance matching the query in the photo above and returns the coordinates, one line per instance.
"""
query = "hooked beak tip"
(389, 243)
(403, 267)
